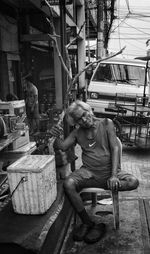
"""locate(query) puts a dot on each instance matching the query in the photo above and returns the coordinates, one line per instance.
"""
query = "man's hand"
(113, 183)
(56, 131)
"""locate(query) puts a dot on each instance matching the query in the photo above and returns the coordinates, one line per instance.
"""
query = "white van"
(117, 80)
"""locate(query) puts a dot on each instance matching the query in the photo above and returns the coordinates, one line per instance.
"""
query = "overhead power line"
(130, 38)
(131, 27)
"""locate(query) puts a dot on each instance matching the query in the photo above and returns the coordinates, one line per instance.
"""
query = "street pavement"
(133, 234)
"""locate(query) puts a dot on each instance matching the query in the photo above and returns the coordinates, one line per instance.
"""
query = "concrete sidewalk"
(133, 234)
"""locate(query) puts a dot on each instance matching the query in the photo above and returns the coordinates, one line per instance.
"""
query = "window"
(120, 73)
(104, 73)
(128, 74)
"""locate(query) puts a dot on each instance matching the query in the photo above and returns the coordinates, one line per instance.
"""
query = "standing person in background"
(32, 106)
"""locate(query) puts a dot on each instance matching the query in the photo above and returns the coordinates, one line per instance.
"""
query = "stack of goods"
(14, 116)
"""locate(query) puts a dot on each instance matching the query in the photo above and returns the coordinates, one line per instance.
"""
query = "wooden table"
(137, 119)
(13, 155)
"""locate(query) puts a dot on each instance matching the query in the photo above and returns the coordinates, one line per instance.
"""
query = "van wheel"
(118, 127)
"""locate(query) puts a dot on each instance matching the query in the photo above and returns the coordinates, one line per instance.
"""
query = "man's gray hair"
(72, 111)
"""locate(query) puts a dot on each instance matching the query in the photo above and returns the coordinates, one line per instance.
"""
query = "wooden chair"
(113, 194)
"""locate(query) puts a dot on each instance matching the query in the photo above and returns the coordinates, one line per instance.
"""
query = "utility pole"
(88, 30)
(100, 29)
(62, 4)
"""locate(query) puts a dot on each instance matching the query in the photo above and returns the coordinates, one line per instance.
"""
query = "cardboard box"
(37, 193)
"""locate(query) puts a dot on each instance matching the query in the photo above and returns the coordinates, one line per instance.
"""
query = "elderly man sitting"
(100, 158)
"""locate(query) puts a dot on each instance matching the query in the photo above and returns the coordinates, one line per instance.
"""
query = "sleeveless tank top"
(96, 151)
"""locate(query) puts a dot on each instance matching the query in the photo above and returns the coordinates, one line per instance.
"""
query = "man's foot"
(80, 232)
(95, 233)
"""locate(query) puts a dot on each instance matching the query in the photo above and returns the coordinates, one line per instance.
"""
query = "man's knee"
(133, 183)
(69, 184)
(128, 184)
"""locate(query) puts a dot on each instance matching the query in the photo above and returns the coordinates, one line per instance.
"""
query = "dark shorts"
(84, 178)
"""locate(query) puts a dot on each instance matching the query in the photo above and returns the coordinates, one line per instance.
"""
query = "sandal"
(80, 232)
(95, 233)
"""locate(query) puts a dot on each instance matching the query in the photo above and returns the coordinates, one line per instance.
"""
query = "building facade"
(27, 47)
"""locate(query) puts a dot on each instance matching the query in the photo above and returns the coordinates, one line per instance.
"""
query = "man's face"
(84, 118)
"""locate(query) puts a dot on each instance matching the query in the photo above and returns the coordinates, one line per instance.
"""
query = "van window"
(127, 74)
(104, 73)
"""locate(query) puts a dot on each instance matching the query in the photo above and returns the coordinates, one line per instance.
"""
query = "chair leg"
(115, 208)
(94, 199)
